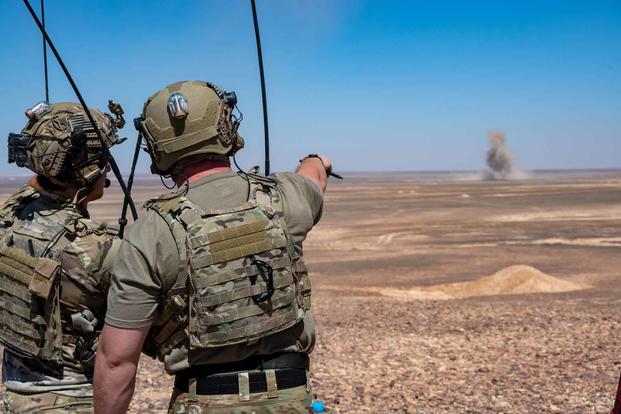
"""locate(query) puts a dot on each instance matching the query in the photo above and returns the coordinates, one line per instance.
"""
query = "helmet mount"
(187, 120)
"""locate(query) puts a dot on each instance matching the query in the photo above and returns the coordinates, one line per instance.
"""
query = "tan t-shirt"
(148, 264)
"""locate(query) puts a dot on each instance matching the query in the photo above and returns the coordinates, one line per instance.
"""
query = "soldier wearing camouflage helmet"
(54, 261)
(211, 279)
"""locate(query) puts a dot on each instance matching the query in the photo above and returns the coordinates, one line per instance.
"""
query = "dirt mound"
(512, 280)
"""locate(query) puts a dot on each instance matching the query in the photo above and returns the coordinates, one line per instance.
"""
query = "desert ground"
(446, 293)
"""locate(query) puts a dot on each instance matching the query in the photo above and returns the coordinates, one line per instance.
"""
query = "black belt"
(290, 371)
(229, 383)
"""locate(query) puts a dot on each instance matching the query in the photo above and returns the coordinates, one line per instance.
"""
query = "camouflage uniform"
(54, 260)
(147, 282)
(288, 401)
(45, 225)
(81, 249)
(217, 271)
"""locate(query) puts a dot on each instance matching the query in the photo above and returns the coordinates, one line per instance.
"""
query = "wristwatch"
(312, 156)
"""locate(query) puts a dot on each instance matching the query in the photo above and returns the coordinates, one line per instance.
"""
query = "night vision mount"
(18, 149)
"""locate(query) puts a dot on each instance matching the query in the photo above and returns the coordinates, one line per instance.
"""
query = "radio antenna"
(266, 131)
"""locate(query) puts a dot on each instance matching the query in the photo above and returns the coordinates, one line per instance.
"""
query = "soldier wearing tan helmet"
(54, 261)
(211, 279)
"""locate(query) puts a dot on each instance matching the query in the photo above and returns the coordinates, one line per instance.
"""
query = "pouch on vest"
(30, 322)
(244, 279)
(241, 273)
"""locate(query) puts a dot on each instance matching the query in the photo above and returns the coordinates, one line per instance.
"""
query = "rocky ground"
(509, 355)
(532, 346)
(500, 355)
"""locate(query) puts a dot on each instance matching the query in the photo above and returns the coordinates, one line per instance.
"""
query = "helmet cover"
(63, 146)
(189, 119)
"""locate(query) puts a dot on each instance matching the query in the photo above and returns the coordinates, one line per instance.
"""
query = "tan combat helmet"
(189, 119)
(59, 142)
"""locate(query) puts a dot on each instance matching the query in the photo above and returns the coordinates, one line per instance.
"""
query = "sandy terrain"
(438, 293)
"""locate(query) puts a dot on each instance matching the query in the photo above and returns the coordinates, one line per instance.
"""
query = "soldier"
(54, 262)
(212, 274)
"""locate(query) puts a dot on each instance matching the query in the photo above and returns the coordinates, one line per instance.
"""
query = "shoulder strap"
(269, 194)
(58, 241)
(170, 209)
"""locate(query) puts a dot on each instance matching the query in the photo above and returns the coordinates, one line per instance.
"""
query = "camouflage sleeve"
(303, 204)
(146, 265)
(86, 264)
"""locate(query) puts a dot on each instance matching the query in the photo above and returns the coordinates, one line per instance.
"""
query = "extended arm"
(115, 368)
(316, 169)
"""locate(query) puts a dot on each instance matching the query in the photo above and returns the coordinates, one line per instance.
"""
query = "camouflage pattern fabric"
(29, 221)
(247, 280)
(149, 263)
(48, 403)
(12, 205)
(29, 304)
(295, 400)
(65, 148)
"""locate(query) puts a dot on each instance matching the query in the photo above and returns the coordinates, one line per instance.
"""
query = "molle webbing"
(244, 292)
(277, 301)
(29, 304)
(255, 329)
(234, 243)
(242, 282)
(168, 334)
(246, 280)
(226, 276)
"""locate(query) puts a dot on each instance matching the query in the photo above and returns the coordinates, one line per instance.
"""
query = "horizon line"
(536, 170)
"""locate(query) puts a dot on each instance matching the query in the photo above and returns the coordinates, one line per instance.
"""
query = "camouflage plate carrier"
(31, 321)
(240, 279)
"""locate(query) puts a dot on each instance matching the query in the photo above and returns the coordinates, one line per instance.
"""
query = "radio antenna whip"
(130, 184)
(47, 90)
(257, 35)
(105, 149)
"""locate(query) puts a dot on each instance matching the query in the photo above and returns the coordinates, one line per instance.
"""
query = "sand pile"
(512, 280)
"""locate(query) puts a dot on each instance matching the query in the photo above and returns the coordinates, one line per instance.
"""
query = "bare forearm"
(314, 170)
(113, 385)
(115, 368)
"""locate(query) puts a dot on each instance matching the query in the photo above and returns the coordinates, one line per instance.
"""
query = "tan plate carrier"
(214, 302)
(30, 305)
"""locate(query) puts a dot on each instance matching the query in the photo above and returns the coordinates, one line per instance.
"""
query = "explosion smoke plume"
(498, 156)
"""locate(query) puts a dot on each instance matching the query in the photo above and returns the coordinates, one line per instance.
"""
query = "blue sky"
(375, 85)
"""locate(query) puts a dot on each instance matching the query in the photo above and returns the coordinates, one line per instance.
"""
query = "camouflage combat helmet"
(188, 119)
(59, 142)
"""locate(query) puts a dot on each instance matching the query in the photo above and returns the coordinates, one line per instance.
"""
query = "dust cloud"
(499, 158)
